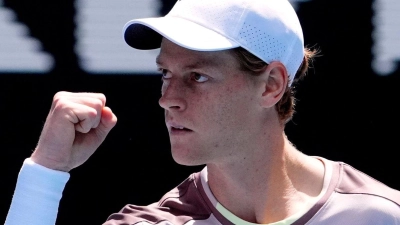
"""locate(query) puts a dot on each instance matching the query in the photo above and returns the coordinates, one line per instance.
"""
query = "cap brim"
(147, 34)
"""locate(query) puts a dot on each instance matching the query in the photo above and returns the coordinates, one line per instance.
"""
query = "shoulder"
(353, 181)
(358, 195)
(178, 206)
(357, 198)
(357, 209)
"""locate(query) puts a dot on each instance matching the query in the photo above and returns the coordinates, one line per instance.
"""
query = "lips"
(177, 128)
(180, 128)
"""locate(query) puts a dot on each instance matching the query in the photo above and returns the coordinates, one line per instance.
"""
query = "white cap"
(269, 29)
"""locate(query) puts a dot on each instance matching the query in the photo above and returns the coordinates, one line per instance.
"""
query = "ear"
(276, 79)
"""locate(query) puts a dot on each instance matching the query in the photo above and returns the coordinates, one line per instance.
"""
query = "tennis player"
(228, 68)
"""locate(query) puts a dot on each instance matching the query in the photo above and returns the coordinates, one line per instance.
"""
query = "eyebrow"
(158, 60)
(212, 62)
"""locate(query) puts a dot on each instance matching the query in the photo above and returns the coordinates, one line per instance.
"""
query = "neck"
(270, 182)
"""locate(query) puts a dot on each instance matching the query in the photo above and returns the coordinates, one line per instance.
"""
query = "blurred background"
(347, 106)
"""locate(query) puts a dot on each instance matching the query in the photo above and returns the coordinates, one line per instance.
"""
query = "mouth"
(179, 128)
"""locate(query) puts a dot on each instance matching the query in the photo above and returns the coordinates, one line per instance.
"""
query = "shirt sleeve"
(37, 195)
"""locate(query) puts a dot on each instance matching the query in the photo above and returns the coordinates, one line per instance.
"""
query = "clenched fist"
(75, 127)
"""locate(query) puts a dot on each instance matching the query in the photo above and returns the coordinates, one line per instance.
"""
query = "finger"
(64, 102)
(95, 103)
(108, 121)
(82, 116)
(80, 97)
(81, 94)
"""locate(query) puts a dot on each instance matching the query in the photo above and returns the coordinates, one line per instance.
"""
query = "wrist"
(49, 162)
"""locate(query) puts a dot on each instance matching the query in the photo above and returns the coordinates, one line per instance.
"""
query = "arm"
(37, 195)
(75, 127)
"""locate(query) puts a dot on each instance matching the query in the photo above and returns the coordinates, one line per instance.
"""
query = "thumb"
(107, 122)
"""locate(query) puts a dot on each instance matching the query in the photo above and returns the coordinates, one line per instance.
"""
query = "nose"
(172, 95)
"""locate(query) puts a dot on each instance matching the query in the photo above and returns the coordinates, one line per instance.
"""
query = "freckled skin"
(222, 112)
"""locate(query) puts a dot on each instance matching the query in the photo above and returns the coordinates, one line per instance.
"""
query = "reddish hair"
(252, 64)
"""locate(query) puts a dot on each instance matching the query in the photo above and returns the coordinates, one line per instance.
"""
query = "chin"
(186, 156)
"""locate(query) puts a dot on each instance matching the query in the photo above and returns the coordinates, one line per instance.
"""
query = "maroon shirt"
(350, 197)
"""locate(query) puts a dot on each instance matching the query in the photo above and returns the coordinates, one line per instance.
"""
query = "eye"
(164, 73)
(199, 78)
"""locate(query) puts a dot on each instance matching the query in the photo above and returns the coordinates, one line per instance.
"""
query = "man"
(228, 70)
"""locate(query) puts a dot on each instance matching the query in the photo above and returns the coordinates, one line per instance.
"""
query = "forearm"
(37, 195)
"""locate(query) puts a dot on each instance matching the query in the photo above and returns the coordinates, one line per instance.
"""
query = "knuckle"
(102, 97)
(98, 104)
(92, 114)
(59, 97)
(60, 104)
(56, 98)
(59, 94)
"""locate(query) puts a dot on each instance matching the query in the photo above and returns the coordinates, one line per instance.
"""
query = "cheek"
(229, 107)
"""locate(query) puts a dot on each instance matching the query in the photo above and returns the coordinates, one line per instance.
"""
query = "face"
(212, 109)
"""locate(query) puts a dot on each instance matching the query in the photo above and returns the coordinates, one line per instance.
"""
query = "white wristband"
(37, 195)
